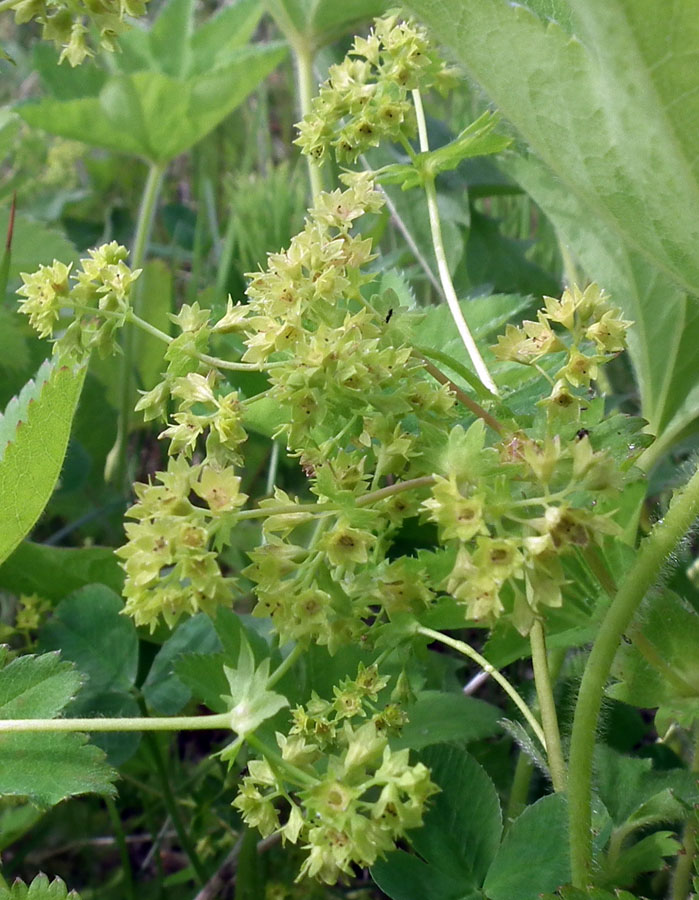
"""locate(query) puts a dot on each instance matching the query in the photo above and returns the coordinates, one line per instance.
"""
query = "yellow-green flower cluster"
(66, 22)
(513, 510)
(597, 333)
(171, 568)
(365, 99)
(96, 298)
(356, 404)
(348, 796)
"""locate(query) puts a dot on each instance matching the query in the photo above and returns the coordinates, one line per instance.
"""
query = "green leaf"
(55, 572)
(164, 692)
(454, 842)
(173, 47)
(438, 717)
(45, 767)
(34, 432)
(66, 82)
(153, 115)
(636, 796)
(170, 37)
(14, 347)
(500, 264)
(659, 668)
(647, 855)
(231, 28)
(40, 889)
(34, 687)
(533, 857)
(89, 630)
(436, 335)
(250, 703)
(477, 139)
(33, 244)
(617, 87)
(630, 213)
(405, 877)
(455, 849)
(203, 674)
(320, 22)
(572, 893)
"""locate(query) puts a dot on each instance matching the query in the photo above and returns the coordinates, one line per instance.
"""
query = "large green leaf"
(89, 630)
(45, 767)
(534, 855)
(319, 22)
(438, 717)
(34, 434)
(612, 113)
(164, 692)
(174, 47)
(459, 839)
(153, 115)
(54, 572)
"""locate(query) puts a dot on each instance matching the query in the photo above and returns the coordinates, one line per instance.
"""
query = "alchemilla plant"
(473, 484)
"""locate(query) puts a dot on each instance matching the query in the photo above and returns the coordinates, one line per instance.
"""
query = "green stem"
(652, 555)
(440, 254)
(134, 723)
(511, 692)
(305, 83)
(684, 867)
(116, 465)
(397, 488)
(174, 811)
(460, 395)
(285, 665)
(120, 838)
(325, 508)
(8, 4)
(521, 781)
(547, 706)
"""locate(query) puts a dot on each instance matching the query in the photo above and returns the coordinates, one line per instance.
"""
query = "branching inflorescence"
(381, 441)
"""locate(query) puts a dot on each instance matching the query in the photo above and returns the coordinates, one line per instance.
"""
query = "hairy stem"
(305, 84)
(116, 465)
(651, 557)
(684, 867)
(547, 706)
(442, 267)
(511, 692)
(131, 723)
